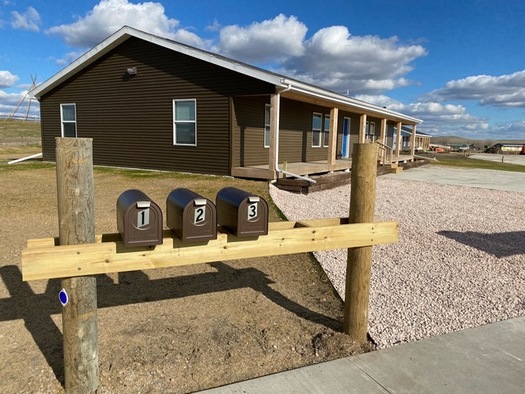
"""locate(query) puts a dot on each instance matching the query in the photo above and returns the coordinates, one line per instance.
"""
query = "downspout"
(277, 169)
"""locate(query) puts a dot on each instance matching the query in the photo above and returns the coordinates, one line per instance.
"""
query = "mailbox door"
(190, 216)
(200, 221)
(143, 225)
(139, 220)
(253, 217)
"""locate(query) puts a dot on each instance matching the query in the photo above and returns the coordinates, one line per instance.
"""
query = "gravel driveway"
(460, 259)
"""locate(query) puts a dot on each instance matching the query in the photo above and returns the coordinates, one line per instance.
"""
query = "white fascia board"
(82, 62)
(311, 90)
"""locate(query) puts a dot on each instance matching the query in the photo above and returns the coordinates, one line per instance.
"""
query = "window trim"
(370, 132)
(266, 131)
(326, 132)
(62, 121)
(175, 121)
(320, 131)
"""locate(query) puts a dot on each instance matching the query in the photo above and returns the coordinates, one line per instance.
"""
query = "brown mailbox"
(190, 216)
(242, 213)
(139, 220)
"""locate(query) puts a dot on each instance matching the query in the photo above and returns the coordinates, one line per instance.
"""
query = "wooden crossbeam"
(43, 259)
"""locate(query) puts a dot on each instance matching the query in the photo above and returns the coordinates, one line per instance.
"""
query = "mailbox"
(242, 213)
(190, 216)
(139, 220)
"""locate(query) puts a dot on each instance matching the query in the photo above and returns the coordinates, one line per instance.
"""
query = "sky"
(458, 65)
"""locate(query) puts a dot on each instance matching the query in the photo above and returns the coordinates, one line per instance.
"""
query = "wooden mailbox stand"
(50, 258)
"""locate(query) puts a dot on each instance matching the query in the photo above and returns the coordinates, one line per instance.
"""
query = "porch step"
(395, 168)
(323, 182)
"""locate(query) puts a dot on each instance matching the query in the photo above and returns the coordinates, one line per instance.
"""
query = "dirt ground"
(173, 330)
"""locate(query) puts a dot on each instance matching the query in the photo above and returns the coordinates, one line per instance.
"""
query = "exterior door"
(346, 138)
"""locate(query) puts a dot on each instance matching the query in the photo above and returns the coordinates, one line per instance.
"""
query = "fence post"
(362, 207)
(75, 193)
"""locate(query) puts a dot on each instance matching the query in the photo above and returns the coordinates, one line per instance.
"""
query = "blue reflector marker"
(62, 296)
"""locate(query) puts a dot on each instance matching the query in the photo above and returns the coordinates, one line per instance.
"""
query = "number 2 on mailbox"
(200, 215)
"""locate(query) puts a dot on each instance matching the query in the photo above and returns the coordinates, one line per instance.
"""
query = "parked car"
(522, 150)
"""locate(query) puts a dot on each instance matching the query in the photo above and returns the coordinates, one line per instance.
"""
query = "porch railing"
(385, 153)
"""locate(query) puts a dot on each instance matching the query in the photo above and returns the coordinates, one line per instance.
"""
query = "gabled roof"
(287, 86)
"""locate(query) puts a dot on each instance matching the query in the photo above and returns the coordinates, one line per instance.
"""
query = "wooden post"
(75, 194)
(413, 142)
(332, 144)
(273, 152)
(362, 129)
(362, 207)
(398, 139)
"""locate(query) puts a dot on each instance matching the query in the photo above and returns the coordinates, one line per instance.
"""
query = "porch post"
(274, 126)
(382, 136)
(413, 142)
(362, 128)
(332, 142)
(398, 139)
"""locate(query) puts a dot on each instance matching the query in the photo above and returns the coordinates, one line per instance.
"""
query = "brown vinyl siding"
(295, 134)
(248, 131)
(130, 118)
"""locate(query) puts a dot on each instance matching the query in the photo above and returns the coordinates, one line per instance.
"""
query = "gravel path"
(460, 262)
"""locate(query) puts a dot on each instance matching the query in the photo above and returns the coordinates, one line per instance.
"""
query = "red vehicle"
(522, 150)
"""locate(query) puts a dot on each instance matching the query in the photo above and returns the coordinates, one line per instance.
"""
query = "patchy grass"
(463, 161)
(19, 129)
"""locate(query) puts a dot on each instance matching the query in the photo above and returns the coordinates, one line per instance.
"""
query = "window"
(370, 131)
(326, 130)
(68, 119)
(316, 130)
(267, 125)
(184, 122)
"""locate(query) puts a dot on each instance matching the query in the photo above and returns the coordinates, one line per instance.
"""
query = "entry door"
(346, 138)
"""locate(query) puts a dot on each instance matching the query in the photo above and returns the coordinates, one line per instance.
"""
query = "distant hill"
(469, 141)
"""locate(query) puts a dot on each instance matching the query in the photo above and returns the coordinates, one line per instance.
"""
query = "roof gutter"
(277, 169)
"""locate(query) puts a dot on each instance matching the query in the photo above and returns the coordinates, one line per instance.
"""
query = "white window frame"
(62, 120)
(326, 130)
(267, 120)
(320, 130)
(175, 121)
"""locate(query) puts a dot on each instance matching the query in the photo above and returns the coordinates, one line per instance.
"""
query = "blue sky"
(459, 65)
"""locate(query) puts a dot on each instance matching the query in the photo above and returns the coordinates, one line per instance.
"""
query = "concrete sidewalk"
(485, 179)
(487, 359)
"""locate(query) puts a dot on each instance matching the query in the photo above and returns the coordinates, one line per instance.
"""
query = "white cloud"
(438, 119)
(331, 58)
(278, 38)
(214, 26)
(68, 58)
(7, 79)
(110, 15)
(29, 20)
(10, 101)
(499, 91)
(337, 60)
(513, 130)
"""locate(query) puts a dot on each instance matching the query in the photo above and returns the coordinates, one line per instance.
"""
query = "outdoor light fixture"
(132, 71)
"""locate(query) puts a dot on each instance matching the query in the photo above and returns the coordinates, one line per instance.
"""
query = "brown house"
(149, 102)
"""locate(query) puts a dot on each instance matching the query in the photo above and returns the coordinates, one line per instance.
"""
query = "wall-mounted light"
(131, 71)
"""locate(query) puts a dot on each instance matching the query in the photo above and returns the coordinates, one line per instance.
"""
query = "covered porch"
(338, 158)
(307, 169)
